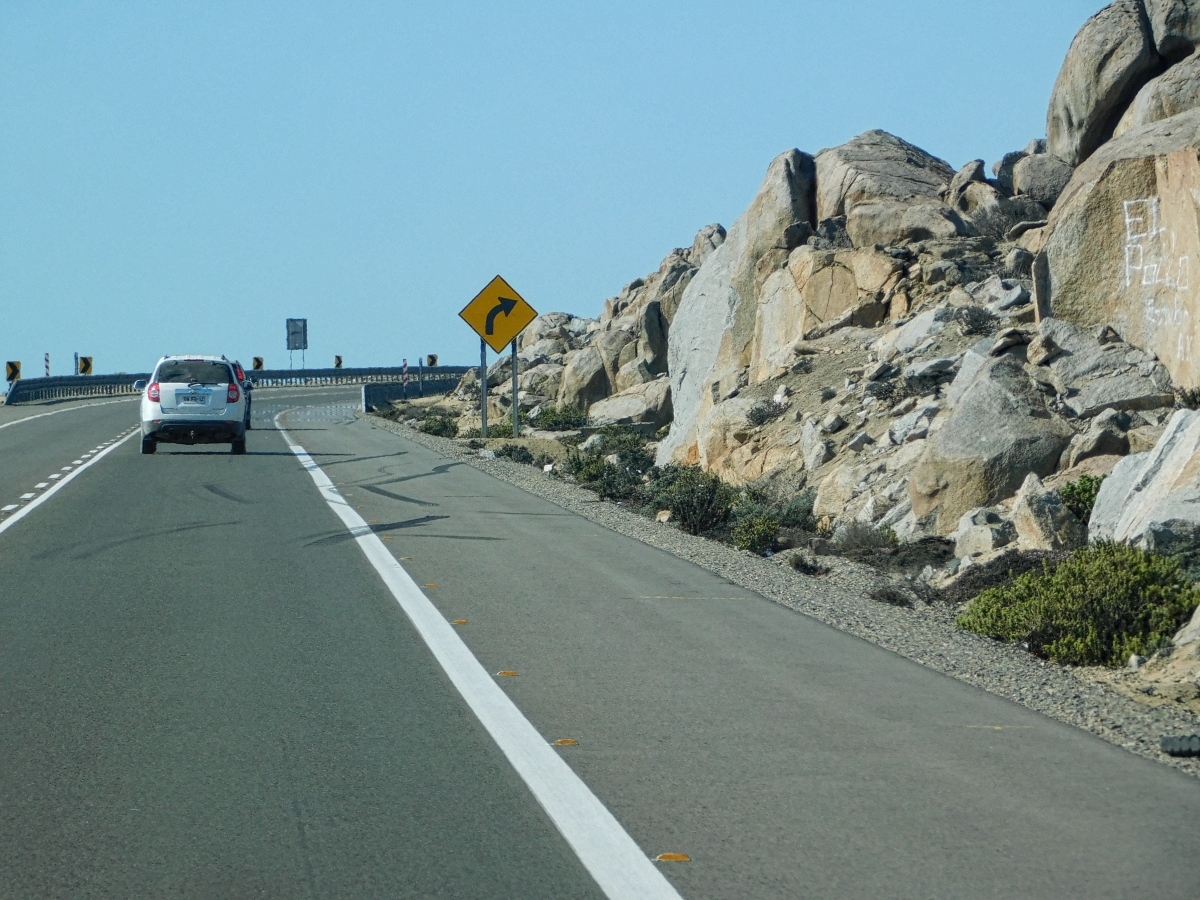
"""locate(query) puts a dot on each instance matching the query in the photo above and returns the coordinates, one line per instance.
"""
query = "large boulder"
(713, 329)
(998, 433)
(892, 223)
(1042, 519)
(1175, 25)
(1112, 56)
(1122, 238)
(876, 167)
(1152, 499)
(584, 379)
(642, 403)
(1092, 376)
(1175, 91)
(1041, 177)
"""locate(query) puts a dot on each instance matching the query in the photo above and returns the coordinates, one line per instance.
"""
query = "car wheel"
(149, 445)
(238, 447)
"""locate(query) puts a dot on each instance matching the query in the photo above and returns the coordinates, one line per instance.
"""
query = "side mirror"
(139, 385)
(249, 384)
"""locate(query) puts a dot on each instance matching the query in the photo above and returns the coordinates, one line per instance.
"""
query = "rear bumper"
(178, 431)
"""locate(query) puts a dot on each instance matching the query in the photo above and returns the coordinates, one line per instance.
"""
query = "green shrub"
(698, 500)
(756, 533)
(859, 536)
(594, 469)
(516, 453)
(764, 412)
(440, 425)
(1080, 496)
(1102, 604)
(798, 511)
(554, 418)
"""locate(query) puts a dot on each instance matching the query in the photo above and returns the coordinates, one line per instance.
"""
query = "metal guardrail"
(67, 387)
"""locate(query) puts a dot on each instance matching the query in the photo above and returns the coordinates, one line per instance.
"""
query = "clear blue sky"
(181, 177)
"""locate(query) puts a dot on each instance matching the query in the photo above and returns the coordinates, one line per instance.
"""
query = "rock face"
(1042, 177)
(1122, 238)
(713, 329)
(1152, 500)
(1175, 25)
(1112, 56)
(999, 432)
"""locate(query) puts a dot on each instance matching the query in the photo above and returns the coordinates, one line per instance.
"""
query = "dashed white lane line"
(56, 475)
(39, 499)
(606, 850)
(28, 496)
(42, 484)
(8, 508)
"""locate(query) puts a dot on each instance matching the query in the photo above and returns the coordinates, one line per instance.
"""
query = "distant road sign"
(498, 314)
(12, 371)
(258, 363)
(85, 365)
(431, 360)
(337, 362)
(297, 334)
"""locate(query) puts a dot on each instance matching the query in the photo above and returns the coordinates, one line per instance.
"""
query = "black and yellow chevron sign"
(85, 365)
(258, 363)
(431, 360)
(337, 362)
(12, 371)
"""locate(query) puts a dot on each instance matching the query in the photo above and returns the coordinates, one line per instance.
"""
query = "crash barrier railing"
(65, 387)
(378, 396)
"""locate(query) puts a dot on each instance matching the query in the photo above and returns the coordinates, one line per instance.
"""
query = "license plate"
(191, 398)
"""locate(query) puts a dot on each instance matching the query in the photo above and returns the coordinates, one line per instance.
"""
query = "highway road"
(237, 677)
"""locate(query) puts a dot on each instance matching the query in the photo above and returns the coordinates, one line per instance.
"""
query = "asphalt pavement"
(206, 690)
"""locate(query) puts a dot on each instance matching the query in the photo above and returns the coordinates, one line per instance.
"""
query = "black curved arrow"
(503, 305)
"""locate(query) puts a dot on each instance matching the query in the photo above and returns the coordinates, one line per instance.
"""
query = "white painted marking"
(30, 507)
(41, 484)
(28, 496)
(606, 850)
(56, 475)
(69, 468)
(68, 409)
(79, 462)
(9, 508)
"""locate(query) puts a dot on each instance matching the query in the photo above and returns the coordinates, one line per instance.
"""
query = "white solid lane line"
(61, 483)
(606, 850)
(68, 409)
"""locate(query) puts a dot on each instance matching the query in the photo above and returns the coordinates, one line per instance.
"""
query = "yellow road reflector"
(566, 742)
(409, 558)
(374, 521)
(387, 538)
(431, 585)
(506, 673)
(672, 857)
(459, 622)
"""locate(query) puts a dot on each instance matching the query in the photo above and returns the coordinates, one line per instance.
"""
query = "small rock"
(876, 371)
(1043, 521)
(663, 516)
(1136, 662)
(592, 442)
(904, 406)
(1106, 334)
(487, 454)
(927, 368)
(1042, 349)
(548, 468)
(859, 442)
(1009, 338)
(826, 394)
(832, 423)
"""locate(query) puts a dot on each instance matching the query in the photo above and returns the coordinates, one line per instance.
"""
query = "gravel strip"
(925, 634)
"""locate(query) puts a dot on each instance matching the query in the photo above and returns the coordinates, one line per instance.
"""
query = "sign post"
(484, 314)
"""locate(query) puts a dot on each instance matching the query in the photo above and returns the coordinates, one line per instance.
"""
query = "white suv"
(193, 400)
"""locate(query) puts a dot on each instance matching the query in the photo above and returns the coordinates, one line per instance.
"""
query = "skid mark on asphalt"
(71, 551)
(225, 495)
(382, 493)
(339, 536)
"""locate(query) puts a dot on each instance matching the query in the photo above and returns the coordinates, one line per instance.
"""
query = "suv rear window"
(193, 371)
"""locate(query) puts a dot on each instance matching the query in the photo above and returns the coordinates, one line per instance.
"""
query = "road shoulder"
(926, 635)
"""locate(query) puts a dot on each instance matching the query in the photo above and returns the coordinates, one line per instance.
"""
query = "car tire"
(238, 447)
(149, 445)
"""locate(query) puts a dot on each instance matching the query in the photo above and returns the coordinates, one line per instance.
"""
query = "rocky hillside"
(932, 350)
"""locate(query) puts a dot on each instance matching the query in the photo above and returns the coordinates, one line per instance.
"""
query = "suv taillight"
(153, 394)
(233, 394)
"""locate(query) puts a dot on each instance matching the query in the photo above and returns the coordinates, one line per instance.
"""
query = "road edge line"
(55, 412)
(60, 484)
(619, 866)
